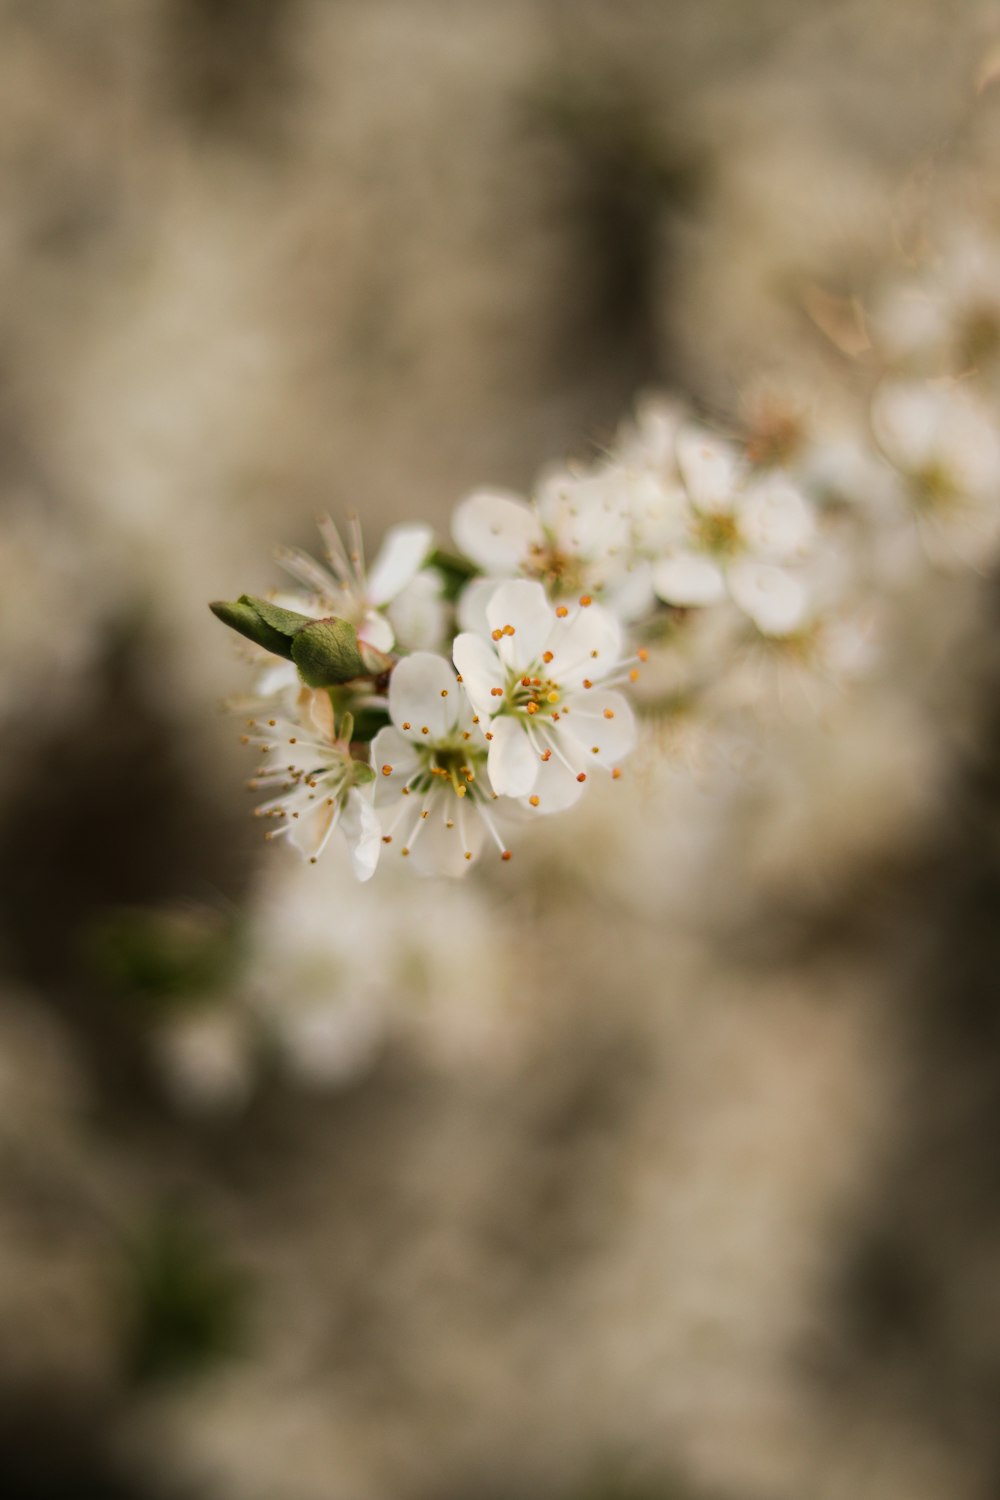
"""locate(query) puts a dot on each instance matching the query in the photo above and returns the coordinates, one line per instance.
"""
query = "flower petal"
(775, 520)
(497, 530)
(361, 828)
(521, 610)
(556, 788)
(481, 671)
(418, 614)
(776, 602)
(392, 749)
(424, 694)
(512, 763)
(400, 558)
(448, 834)
(376, 630)
(709, 469)
(688, 579)
(603, 724)
(584, 644)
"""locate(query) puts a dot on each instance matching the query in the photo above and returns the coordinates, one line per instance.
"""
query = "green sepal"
(243, 618)
(326, 653)
(287, 622)
(363, 774)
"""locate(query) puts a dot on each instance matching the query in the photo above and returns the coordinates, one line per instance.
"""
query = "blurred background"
(660, 1167)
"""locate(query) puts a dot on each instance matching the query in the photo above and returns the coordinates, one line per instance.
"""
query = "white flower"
(945, 319)
(576, 535)
(343, 588)
(947, 450)
(541, 681)
(739, 537)
(320, 786)
(431, 786)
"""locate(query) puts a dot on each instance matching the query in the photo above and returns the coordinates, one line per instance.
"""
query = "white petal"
(602, 719)
(471, 608)
(361, 828)
(497, 530)
(775, 601)
(400, 558)
(376, 630)
(424, 694)
(906, 420)
(392, 749)
(481, 670)
(437, 849)
(523, 608)
(556, 788)
(308, 831)
(775, 520)
(512, 764)
(418, 614)
(709, 469)
(585, 644)
(688, 579)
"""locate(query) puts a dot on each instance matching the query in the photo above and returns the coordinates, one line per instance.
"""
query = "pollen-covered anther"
(616, 774)
(468, 853)
(595, 749)
(525, 681)
(489, 734)
(586, 600)
(406, 724)
(461, 790)
(293, 739)
(546, 755)
(582, 776)
(508, 630)
(425, 729)
(595, 653)
(496, 634)
(532, 707)
(587, 682)
(404, 852)
(449, 824)
(387, 838)
(466, 735)
(534, 801)
(547, 657)
(562, 612)
(633, 676)
(609, 713)
(425, 813)
(505, 855)
(642, 654)
(496, 692)
(444, 692)
(271, 723)
(386, 770)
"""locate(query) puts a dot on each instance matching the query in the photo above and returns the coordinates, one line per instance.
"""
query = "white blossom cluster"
(498, 679)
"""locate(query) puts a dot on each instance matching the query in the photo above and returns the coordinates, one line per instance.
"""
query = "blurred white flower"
(944, 444)
(344, 588)
(740, 536)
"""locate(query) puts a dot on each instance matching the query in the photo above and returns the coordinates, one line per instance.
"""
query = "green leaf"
(326, 653)
(243, 618)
